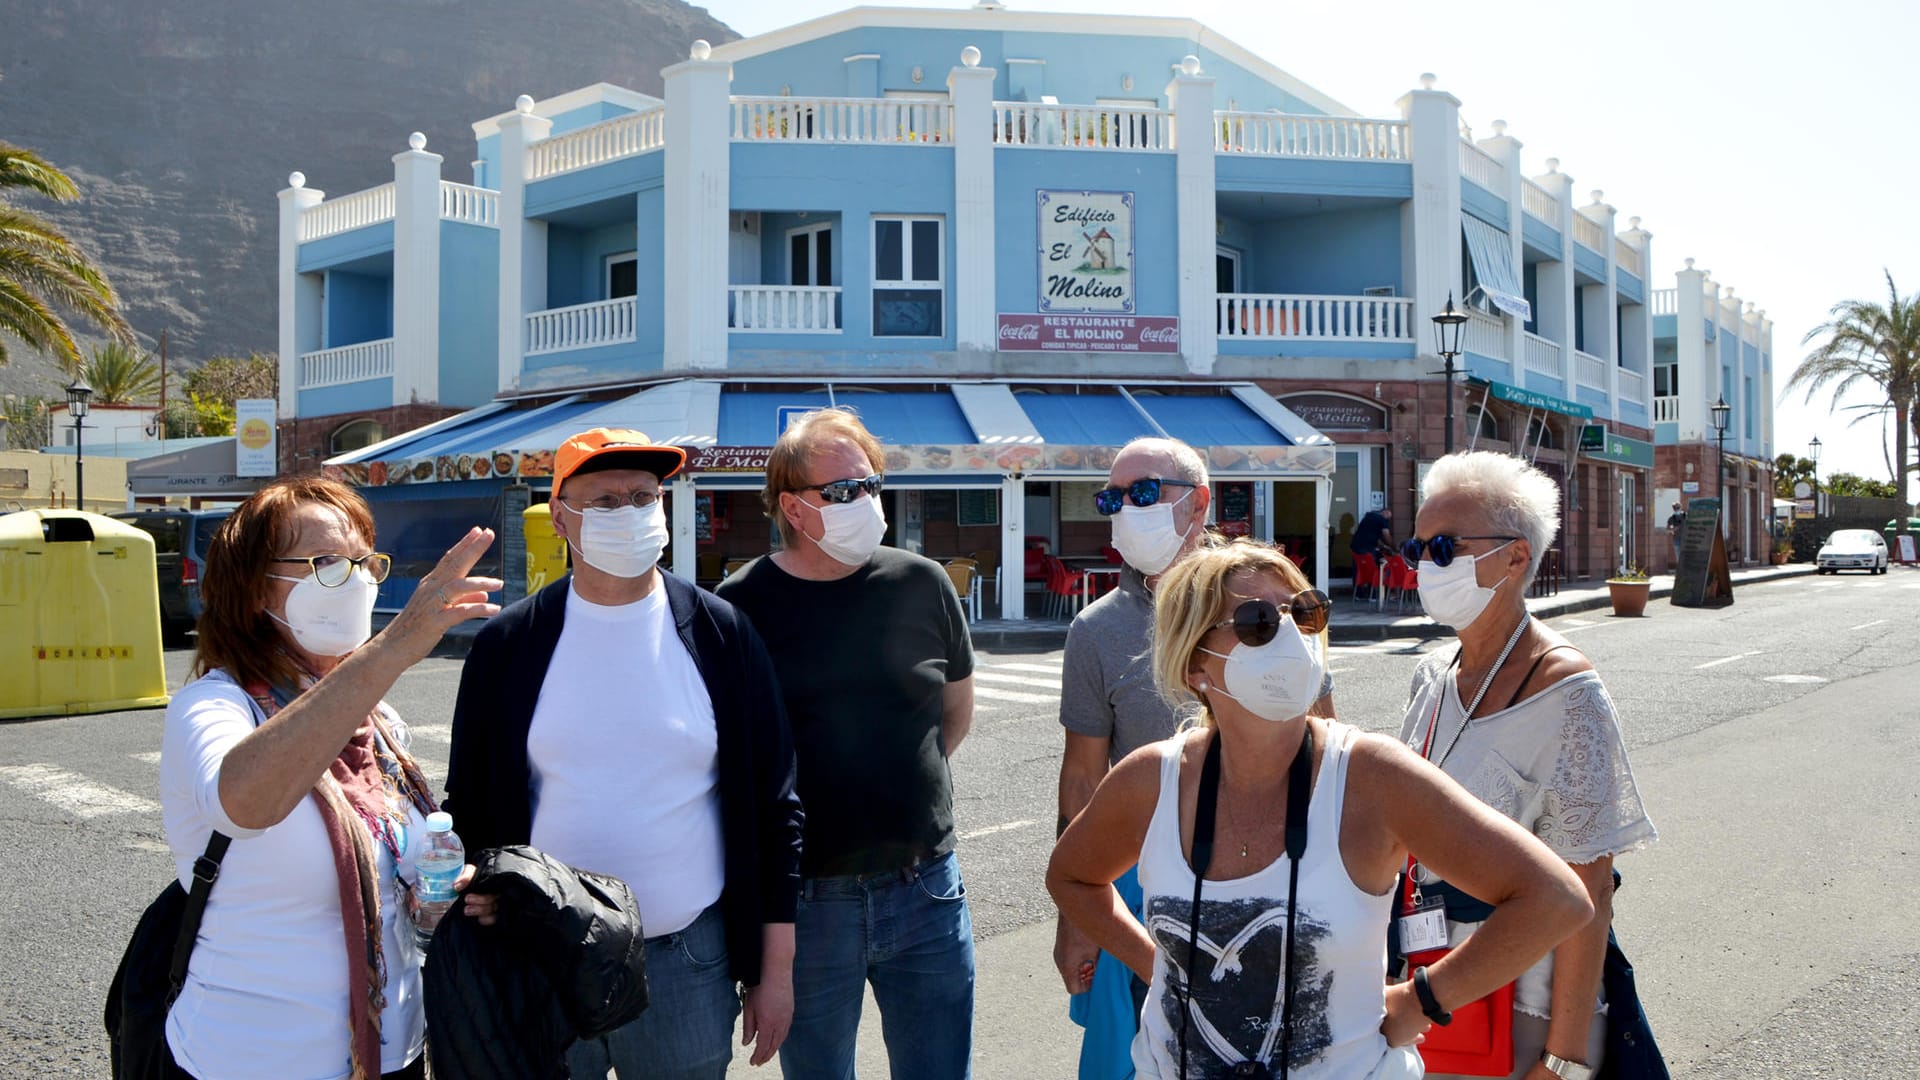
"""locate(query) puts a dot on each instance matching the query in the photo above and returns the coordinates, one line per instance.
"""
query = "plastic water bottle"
(438, 866)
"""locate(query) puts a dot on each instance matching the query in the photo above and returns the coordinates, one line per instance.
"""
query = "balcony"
(1588, 233)
(469, 205)
(1082, 127)
(1666, 301)
(1539, 354)
(1539, 203)
(582, 326)
(346, 213)
(1590, 371)
(783, 309)
(1479, 166)
(1666, 410)
(1633, 386)
(1322, 137)
(1627, 257)
(610, 140)
(1486, 336)
(880, 121)
(346, 364)
(1272, 317)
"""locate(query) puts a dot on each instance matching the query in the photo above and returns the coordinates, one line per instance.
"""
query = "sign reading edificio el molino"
(1086, 251)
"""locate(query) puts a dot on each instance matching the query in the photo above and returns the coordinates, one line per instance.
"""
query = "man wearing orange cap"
(626, 722)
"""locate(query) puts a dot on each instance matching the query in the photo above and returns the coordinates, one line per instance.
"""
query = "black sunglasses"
(1441, 547)
(845, 491)
(1142, 492)
(1255, 622)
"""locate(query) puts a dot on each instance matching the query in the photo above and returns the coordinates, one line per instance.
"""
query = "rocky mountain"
(180, 119)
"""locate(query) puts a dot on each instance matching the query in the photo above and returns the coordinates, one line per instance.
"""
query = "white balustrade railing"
(608, 140)
(1291, 135)
(1327, 318)
(469, 204)
(1539, 354)
(791, 309)
(1588, 233)
(1666, 410)
(1485, 335)
(1633, 386)
(1082, 127)
(1480, 167)
(842, 120)
(603, 322)
(346, 213)
(1626, 256)
(1666, 301)
(1589, 370)
(1540, 203)
(346, 364)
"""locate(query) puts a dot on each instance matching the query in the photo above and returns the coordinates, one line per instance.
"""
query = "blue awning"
(1210, 421)
(902, 418)
(1492, 257)
(1085, 419)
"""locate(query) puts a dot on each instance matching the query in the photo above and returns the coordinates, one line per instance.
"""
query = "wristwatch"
(1564, 1069)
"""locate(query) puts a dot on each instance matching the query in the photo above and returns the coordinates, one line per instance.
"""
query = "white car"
(1853, 549)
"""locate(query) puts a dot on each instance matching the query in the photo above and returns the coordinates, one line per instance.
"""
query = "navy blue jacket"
(488, 776)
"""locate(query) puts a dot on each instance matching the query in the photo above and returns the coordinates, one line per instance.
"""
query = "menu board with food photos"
(1233, 514)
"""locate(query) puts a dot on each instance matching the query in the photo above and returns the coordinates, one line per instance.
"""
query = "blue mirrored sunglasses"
(1142, 492)
(1441, 547)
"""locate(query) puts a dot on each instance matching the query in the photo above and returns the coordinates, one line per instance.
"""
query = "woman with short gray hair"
(1520, 718)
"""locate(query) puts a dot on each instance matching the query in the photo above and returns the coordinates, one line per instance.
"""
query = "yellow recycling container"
(546, 551)
(79, 616)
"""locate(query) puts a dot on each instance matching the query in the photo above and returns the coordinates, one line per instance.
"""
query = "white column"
(1554, 320)
(523, 242)
(1763, 340)
(1602, 300)
(1191, 95)
(1636, 323)
(1430, 221)
(1696, 382)
(416, 273)
(1505, 149)
(1322, 507)
(300, 295)
(698, 198)
(686, 553)
(1013, 548)
(971, 88)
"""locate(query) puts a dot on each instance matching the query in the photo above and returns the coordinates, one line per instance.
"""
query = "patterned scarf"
(366, 782)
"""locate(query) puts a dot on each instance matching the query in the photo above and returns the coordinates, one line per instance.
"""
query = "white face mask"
(1145, 536)
(852, 530)
(329, 622)
(1276, 681)
(625, 543)
(1452, 594)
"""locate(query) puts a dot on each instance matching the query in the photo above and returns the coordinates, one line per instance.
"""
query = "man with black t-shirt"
(876, 667)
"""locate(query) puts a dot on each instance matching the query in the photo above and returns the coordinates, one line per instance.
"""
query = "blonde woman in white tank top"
(1229, 645)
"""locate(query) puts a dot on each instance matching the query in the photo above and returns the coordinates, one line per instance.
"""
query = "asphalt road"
(1775, 741)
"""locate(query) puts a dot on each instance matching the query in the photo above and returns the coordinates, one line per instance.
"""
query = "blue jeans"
(908, 932)
(686, 1032)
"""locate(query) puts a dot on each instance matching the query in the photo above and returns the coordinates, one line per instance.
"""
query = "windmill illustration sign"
(1086, 251)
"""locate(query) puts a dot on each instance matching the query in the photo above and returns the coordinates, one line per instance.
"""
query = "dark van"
(180, 539)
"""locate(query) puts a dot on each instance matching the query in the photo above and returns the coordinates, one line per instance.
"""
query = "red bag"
(1479, 1042)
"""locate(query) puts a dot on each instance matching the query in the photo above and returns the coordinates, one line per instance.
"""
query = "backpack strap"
(1528, 677)
(206, 870)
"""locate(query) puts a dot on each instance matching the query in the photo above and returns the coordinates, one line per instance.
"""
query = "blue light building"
(1012, 242)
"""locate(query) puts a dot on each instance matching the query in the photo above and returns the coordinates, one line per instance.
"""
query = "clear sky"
(1770, 140)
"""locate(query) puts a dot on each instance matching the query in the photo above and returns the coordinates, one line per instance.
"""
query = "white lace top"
(1555, 763)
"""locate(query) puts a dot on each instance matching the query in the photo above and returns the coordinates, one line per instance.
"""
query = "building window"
(355, 435)
(1666, 380)
(1540, 435)
(909, 261)
(810, 255)
(622, 275)
(1481, 424)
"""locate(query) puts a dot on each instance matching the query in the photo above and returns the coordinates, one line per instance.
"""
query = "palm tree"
(42, 271)
(121, 375)
(1875, 345)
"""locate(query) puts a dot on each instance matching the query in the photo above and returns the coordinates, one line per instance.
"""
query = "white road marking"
(74, 793)
(1595, 626)
(1576, 622)
(990, 675)
(1864, 625)
(994, 693)
(151, 757)
(1724, 660)
(436, 732)
(1054, 669)
(1338, 670)
(1003, 827)
(1796, 680)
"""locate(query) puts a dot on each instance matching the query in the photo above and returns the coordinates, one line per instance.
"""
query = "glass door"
(1352, 487)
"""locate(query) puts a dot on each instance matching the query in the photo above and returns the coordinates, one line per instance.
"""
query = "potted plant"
(1629, 590)
(1782, 551)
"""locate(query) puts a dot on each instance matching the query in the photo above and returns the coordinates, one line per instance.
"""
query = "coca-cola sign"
(1089, 333)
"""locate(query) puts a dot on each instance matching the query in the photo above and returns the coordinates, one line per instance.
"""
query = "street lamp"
(1721, 410)
(1446, 342)
(77, 394)
(1813, 448)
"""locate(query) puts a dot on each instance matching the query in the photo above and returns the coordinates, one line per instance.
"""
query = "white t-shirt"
(624, 757)
(266, 991)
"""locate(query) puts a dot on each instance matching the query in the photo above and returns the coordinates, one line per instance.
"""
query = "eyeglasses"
(1142, 492)
(1442, 547)
(845, 491)
(333, 571)
(607, 503)
(1255, 622)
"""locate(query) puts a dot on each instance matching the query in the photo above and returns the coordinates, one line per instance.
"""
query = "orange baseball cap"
(614, 448)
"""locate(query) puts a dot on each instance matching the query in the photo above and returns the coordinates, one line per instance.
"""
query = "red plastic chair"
(1065, 585)
(1399, 577)
(1366, 573)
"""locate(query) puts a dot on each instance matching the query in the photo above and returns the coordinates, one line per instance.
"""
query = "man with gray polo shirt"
(1157, 497)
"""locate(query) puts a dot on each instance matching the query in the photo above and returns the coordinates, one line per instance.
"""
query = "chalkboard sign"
(514, 500)
(1702, 579)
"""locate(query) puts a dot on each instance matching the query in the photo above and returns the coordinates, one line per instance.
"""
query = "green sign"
(1619, 449)
(1593, 438)
(1533, 399)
